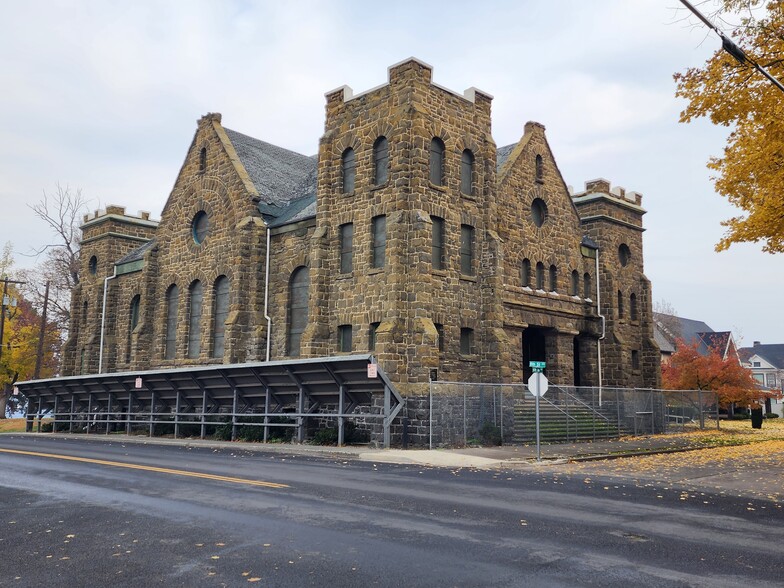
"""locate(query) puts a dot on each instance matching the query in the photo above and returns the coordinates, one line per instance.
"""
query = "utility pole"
(39, 356)
(3, 303)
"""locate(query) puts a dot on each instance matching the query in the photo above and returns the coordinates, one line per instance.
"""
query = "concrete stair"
(559, 423)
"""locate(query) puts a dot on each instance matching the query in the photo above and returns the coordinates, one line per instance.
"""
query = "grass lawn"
(12, 425)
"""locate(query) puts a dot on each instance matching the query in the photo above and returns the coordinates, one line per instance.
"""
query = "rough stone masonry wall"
(233, 247)
(408, 297)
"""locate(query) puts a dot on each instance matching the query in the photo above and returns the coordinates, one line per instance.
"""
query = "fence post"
(702, 412)
(431, 414)
(716, 398)
(465, 430)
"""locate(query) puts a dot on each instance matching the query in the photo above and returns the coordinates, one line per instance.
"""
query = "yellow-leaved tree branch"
(750, 174)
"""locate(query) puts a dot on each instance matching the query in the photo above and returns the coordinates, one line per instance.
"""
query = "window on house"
(467, 172)
(196, 295)
(466, 341)
(203, 159)
(441, 336)
(437, 153)
(438, 255)
(586, 285)
(525, 272)
(633, 306)
(93, 266)
(539, 169)
(540, 276)
(344, 338)
(760, 378)
(770, 380)
(219, 316)
(172, 302)
(349, 170)
(133, 322)
(538, 212)
(624, 254)
(346, 248)
(299, 287)
(635, 359)
(200, 226)
(380, 161)
(379, 236)
(553, 279)
(467, 250)
(84, 313)
(372, 336)
(575, 287)
(754, 364)
(620, 304)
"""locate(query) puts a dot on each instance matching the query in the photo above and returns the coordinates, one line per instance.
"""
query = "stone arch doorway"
(534, 349)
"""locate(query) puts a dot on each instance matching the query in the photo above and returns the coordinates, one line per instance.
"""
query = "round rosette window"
(200, 226)
(538, 212)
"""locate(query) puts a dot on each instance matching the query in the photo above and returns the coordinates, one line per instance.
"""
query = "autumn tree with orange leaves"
(750, 173)
(690, 370)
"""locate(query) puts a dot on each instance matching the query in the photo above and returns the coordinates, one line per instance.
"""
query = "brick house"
(410, 235)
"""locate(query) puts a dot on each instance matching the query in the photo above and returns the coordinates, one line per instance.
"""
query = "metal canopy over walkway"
(275, 394)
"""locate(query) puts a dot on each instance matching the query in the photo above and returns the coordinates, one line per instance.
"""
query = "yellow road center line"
(133, 466)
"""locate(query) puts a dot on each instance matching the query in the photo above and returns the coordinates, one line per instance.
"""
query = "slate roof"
(502, 154)
(670, 328)
(137, 254)
(280, 176)
(773, 353)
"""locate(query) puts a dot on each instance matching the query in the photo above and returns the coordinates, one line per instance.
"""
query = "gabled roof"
(502, 154)
(280, 176)
(773, 354)
(670, 328)
(137, 254)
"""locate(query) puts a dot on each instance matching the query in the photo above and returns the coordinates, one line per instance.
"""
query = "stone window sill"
(379, 186)
(436, 186)
(375, 270)
(438, 272)
(344, 276)
(472, 357)
(468, 196)
(348, 194)
(467, 278)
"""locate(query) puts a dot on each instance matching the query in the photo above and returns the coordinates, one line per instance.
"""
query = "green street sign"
(537, 365)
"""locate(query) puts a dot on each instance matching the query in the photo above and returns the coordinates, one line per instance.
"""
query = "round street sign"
(538, 384)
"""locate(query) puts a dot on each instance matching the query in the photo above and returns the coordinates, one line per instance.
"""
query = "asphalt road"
(149, 515)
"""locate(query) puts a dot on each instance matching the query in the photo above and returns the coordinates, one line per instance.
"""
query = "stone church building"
(410, 236)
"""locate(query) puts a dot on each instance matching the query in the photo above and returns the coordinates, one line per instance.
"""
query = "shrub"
(490, 434)
(47, 427)
(771, 415)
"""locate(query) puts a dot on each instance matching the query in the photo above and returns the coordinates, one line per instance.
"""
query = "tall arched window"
(349, 170)
(172, 302)
(540, 276)
(219, 315)
(84, 313)
(299, 287)
(526, 273)
(620, 304)
(575, 289)
(438, 255)
(633, 306)
(203, 159)
(437, 152)
(467, 172)
(196, 298)
(380, 161)
(586, 285)
(133, 322)
(539, 169)
(553, 279)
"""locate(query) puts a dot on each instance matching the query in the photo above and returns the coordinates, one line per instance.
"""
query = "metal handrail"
(585, 404)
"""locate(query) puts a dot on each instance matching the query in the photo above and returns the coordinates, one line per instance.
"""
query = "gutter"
(103, 318)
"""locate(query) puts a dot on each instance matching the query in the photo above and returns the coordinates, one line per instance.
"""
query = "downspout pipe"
(103, 318)
(604, 324)
(266, 294)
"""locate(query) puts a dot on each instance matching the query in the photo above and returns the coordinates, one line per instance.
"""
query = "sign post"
(537, 385)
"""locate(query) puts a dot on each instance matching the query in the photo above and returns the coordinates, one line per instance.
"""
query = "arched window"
(467, 250)
(467, 172)
(84, 314)
(633, 306)
(586, 285)
(346, 248)
(172, 302)
(553, 279)
(540, 276)
(299, 287)
(575, 289)
(624, 254)
(526, 273)
(133, 322)
(378, 235)
(539, 169)
(438, 255)
(219, 315)
(620, 304)
(349, 170)
(196, 296)
(93, 266)
(380, 161)
(203, 159)
(437, 151)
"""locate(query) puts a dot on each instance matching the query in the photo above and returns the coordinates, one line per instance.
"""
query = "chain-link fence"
(464, 413)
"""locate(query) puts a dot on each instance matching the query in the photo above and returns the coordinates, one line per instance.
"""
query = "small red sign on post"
(372, 370)
(138, 383)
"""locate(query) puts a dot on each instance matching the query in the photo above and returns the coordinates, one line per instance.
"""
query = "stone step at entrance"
(561, 424)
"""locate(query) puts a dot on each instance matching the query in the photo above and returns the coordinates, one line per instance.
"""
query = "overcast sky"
(104, 96)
